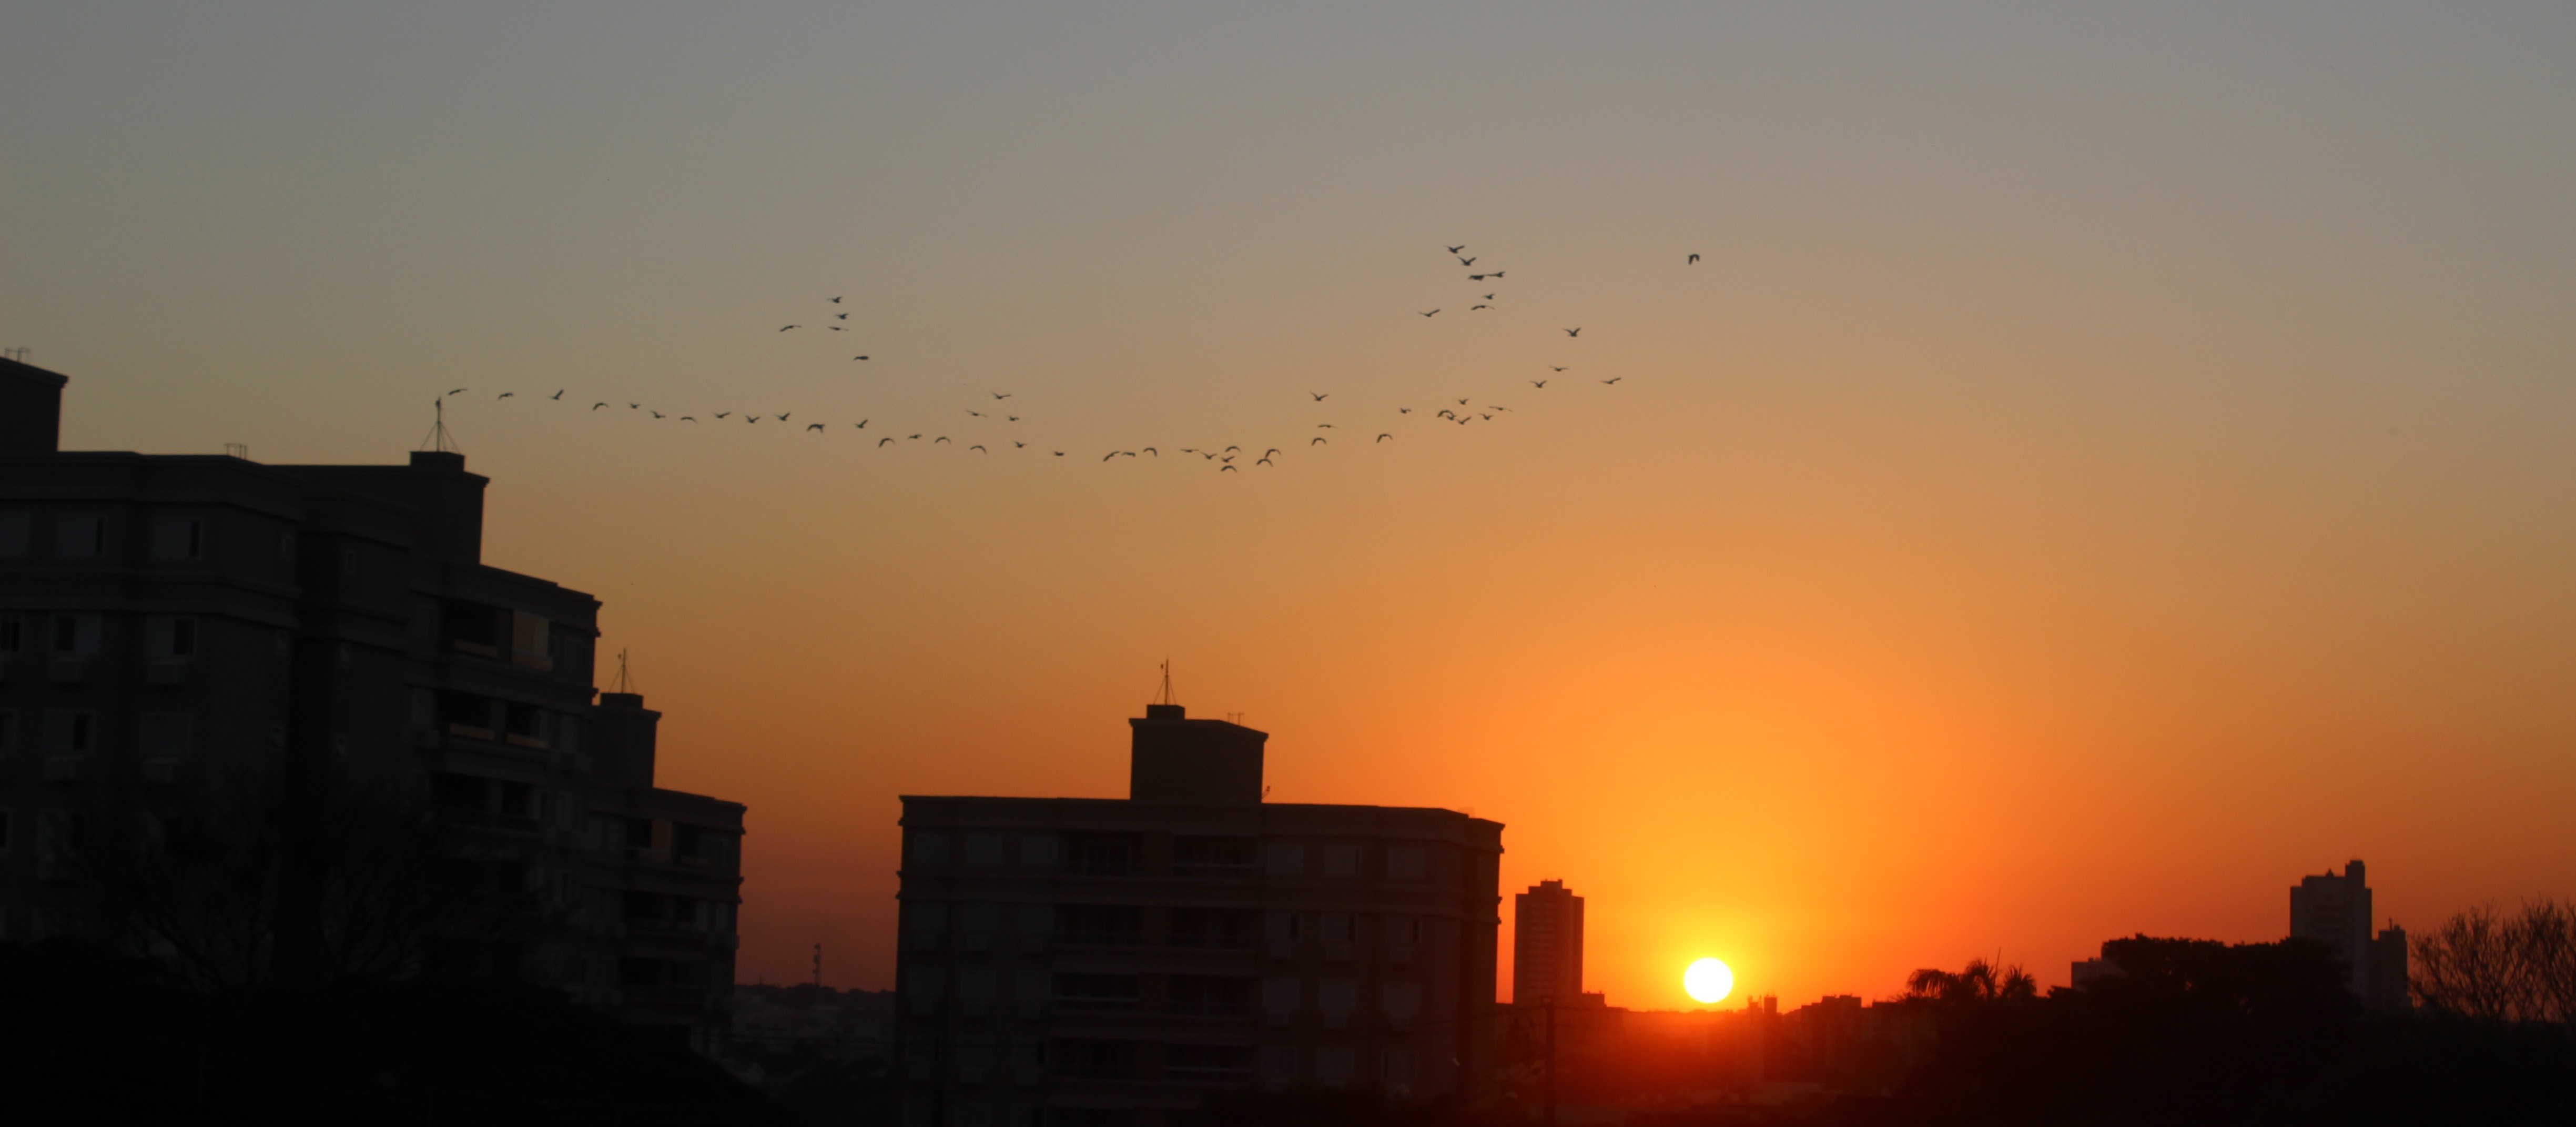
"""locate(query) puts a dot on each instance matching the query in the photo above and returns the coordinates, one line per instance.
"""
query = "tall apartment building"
(175, 625)
(2335, 910)
(1106, 961)
(1547, 945)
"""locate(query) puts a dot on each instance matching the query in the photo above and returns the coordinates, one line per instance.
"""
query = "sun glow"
(1708, 981)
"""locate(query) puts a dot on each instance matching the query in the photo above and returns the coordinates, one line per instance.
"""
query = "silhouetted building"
(1071, 960)
(1547, 945)
(2335, 910)
(172, 625)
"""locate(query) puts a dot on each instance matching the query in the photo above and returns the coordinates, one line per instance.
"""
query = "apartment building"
(1547, 945)
(1106, 961)
(175, 625)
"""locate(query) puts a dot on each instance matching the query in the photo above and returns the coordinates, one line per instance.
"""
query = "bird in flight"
(1489, 297)
(1478, 277)
(1059, 453)
(813, 426)
(782, 416)
(1384, 437)
(634, 406)
(913, 437)
(458, 391)
(1613, 380)
(1538, 383)
(751, 418)
(859, 425)
(882, 441)
(1323, 426)
(1429, 314)
(1320, 397)
(507, 394)
(784, 328)
(1265, 455)
(842, 316)
(1463, 260)
(1263, 462)
(940, 439)
(998, 395)
(558, 393)
(1404, 410)
(1011, 418)
(597, 406)
(1150, 450)
(1018, 445)
(721, 414)
(1319, 441)
(1554, 368)
(1694, 261)
(1459, 247)
(1234, 449)
(858, 358)
(1473, 308)
(688, 418)
(658, 414)
(836, 328)
(836, 301)
(979, 446)
(1445, 413)
(1225, 469)
(976, 414)
(1462, 402)
(1575, 331)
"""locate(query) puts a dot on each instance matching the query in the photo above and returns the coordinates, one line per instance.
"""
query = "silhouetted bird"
(688, 418)
(1429, 314)
(859, 425)
(813, 426)
(842, 316)
(1459, 247)
(751, 418)
(1323, 426)
(1384, 437)
(1446, 413)
(1149, 450)
(1478, 277)
(1462, 402)
(836, 301)
(1694, 261)
(1233, 449)
(507, 394)
(1109, 455)
(1319, 441)
(1059, 453)
(1225, 469)
(940, 439)
(1473, 308)
(1554, 368)
(1574, 332)
(1264, 462)
(912, 438)
(1489, 297)
(558, 393)
(1011, 418)
(858, 358)
(458, 391)
(721, 414)
(1463, 260)
(1404, 410)
(1267, 453)
(597, 406)
(1018, 445)
(882, 441)
(836, 328)
(976, 414)
(784, 328)
(1614, 379)
(634, 406)
(1538, 383)
(657, 414)
(1321, 397)
(979, 446)
(782, 416)
(1001, 395)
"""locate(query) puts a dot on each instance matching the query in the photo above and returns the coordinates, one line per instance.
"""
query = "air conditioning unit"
(161, 772)
(71, 670)
(62, 768)
(166, 673)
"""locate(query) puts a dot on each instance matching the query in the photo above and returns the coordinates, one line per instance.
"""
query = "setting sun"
(1708, 981)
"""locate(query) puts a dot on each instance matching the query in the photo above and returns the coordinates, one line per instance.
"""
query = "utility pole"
(1551, 1060)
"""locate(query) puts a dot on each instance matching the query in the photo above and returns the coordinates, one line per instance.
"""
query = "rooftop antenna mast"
(625, 683)
(1166, 697)
(439, 439)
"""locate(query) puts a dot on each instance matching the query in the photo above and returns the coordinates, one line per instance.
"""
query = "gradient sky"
(2111, 460)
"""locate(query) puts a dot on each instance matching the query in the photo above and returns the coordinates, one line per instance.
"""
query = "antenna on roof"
(625, 683)
(1166, 698)
(439, 439)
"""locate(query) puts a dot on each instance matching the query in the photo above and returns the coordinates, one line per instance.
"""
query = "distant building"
(175, 624)
(1098, 961)
(2086, 972)
(2335, 910)
(1547, 945)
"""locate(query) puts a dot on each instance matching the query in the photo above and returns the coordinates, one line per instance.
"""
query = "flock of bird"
(997, 412)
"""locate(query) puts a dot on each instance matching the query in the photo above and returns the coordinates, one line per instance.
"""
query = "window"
(1208, 1062)
(1212, 995)
(1220, 928)
(1407, 862)
(978, 922)
(924, 985)
(1337, 998)
(1402, 1002)
(1036, 922)
(69, 733)
(13, 633)
(1096, 991)
(927, 923)
(1101, 925)
(13, 535)
(178, 538)
(1095, 1060)
(1212, 856)
(984, 851)
(924, 849)
(76, 635)
(1037, 851)
(530, 641)
(1341, 860)
(1103, 854)
(169, 638)
(1279, 996)
(167, 735)
(1287, 858)
(80, 536)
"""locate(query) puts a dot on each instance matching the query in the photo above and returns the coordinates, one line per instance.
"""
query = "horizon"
(2103, 467)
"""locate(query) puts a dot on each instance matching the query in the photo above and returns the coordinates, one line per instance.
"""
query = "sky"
(2109, 460)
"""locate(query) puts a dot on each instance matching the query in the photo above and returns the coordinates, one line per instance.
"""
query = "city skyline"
(2102, 466)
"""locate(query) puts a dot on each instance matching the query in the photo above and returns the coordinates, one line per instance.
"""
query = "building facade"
(177, 627)
(1547, 945)
(2334, 909)
(1105, 961)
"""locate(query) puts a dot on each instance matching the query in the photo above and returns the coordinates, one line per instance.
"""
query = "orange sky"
(2106, 465)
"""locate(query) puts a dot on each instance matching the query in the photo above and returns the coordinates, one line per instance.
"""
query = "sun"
(1708, 981)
